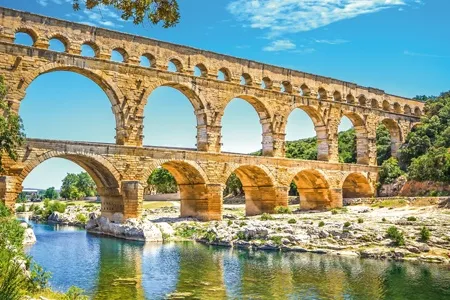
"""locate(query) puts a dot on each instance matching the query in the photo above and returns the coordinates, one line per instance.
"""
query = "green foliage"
(75, 293)
(162, 181)
(383, 143)
(21, 208)
(347, 224)
(334, 211)
(39, 278)
(51, 193)
(233, 186)
(266, 217)
(283, 210)
(277, 240)
(81, 218)
(302, 149)
(347, 146)
(77, 186)
(411, 219)
(360, 220)
(292, 221)
(390, 171)
(155, 11)
(433, 165)
(51, 207)
(321, 223)
(425, 234)
(210, 236)
(12, 135)
(22, 198)
(384, 219)
(396, 235)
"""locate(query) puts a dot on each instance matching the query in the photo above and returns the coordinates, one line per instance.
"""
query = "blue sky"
(401, 46)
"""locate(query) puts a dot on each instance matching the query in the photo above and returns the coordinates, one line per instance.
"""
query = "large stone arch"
(314, 189)
(362, 141)
(395, 133)
(111, 90)
(192, 184)
(265, 119)
(319, 126)
(259, 188)
(356, 185)
(104, 174)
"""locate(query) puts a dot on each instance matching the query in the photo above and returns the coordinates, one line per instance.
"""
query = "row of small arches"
(90, 49)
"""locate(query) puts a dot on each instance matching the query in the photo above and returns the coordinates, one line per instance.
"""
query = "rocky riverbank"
(390, 229)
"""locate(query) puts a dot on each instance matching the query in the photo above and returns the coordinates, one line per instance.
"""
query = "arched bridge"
(210, 81)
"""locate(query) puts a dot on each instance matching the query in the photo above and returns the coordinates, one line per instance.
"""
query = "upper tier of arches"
(134, 50)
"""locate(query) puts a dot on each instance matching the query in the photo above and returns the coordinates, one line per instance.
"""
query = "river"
(108, 268)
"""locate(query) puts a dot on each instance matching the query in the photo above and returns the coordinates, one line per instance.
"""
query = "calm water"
(114, 269)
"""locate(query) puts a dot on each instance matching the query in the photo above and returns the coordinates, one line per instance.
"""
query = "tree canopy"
(12, 135)
(156, 11)
(77, 186)
(162, 181)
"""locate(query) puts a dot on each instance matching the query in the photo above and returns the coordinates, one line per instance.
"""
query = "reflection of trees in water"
(120, 270)
(200, 273)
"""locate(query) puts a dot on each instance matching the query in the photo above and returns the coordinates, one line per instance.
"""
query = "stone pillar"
(209, 138)
(282, 196)
(273, 144)
(133, 196)
(362, 145)
(336, 199)
(322, 143)
(9, 190)
(112, 201)
(202, 201)
(372, 151)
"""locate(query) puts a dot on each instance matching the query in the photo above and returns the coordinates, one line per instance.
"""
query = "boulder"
(117, 218)
(166, 229)
(29, 237)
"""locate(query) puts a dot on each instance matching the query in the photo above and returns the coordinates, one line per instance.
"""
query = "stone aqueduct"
(120, 170)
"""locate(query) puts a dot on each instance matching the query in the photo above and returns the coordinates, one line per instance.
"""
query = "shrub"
(75, 293)
(70, 204)
(229, 222)
(321, 223)
(347, 224)
(277, 240)
(283, 210)
(21, 208)
(425, 234)
(389, 171)
(89, 205)
(411, 219)
(360, 220)
(211, 236)
(242, 224)
(384, 219)
(334, 211)
(396, 235)
(81, 218)
(292, 221)
(240, 235)
(266, 217)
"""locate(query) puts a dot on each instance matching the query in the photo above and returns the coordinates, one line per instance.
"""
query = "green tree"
(163, 181)
(390, 170)
(233, 186)
(383, 144)
(51, 193)
(12, 135)
(347, 146)
(77, 186)
(165, 11)
(86, 184)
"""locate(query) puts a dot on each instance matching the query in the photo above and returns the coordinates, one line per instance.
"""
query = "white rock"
(165, 228)
(29, 237)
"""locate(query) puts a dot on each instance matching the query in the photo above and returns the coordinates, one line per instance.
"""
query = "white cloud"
(331, 42)
(279, 17)
(409, 53)
(42, 2)
(280, 45)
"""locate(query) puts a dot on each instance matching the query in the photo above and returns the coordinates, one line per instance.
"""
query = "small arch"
(266, 83)
(224, 74)
(148, 60)
(337, 96)
(313, 189)
(322, 94)
(395, 134)
(356, 185)
(417, 112)
(350, 99)
(25, 36)
(286, 87)
(59, 43)
(361, 138)
(200, 70)
(119, 55)
(407, 109)
(386, 105)
(174, 65)
(258, 189)
(362, 100)
(90, 49)
(374, 104)
(305, 91)
(397, 108)
(246, 79)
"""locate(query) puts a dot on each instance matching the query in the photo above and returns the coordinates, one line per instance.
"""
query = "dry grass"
(157, 204)
(390, 203)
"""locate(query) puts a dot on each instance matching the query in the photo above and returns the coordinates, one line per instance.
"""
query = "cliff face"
(412, 188)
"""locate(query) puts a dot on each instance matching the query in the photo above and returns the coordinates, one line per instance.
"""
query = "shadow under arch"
(108, 87)
(259, 190)
(319, 127)
(265, 119)
(395, 133)
(362, 142)
(192, 184)
(356, 185)
(314, 190)
(105, 175)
